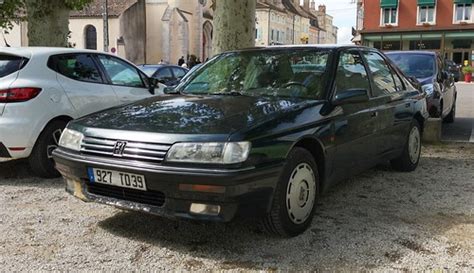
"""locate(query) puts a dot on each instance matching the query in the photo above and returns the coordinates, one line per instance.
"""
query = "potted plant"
(467, 71)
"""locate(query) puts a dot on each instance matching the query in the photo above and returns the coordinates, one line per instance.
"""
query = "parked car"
(169, 75)
(454, 69)
(252, 132)
(42, 89)
(428, 68)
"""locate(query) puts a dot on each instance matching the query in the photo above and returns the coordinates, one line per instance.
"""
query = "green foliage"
(14, 10)
(10, 11)
(467, 69)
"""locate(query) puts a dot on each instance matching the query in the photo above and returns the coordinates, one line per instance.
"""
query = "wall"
(407, 16)
(132, 28)
(154, 13)
(77, 26)
(16, 37)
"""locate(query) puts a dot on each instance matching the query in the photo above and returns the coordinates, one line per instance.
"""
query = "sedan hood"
(427, 80)
(193, 114)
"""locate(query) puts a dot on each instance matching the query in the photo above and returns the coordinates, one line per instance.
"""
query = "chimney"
(322, 8)
(313, 5)
(306, 5)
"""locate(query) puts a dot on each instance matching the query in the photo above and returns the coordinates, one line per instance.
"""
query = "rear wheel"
(295, 196)
(41, 158)
(410, 157)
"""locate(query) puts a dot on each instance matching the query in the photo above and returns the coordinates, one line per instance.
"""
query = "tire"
(295, 196)
(410, 157)
(40, 160)
(452, 114)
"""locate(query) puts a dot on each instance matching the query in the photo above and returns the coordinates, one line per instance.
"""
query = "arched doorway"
(90, 37)
(206, 40)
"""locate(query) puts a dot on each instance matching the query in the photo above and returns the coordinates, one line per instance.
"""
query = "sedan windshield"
(415, 65)
(279, 73)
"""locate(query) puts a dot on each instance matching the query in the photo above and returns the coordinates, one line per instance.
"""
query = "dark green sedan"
(257, 132)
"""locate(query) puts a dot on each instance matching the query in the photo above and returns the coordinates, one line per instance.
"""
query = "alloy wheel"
(301, 193)
(414, 144)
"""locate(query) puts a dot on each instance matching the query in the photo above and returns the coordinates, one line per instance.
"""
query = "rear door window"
(79, 67)
(11, 64)
(178, 72)
(120, 72)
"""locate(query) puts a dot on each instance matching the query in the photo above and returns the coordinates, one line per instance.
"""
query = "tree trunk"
(48, 23)
(234, 25)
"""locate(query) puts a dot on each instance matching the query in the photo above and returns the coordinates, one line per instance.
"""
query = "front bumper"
(248, 192)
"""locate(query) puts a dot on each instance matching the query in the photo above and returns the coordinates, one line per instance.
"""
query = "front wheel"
(452, 114)
(410, 157)
(295, 196)
(41, 158)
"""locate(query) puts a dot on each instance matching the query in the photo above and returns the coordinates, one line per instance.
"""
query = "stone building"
(143, 31)
(328, 34)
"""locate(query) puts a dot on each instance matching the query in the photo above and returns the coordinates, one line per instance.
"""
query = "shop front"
(454, 45)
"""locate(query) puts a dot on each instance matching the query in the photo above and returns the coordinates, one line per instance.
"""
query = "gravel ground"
(379, 220)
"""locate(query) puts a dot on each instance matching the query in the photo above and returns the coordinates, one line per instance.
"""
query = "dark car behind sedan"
(258, 132)
(169, 75)
(434, 77)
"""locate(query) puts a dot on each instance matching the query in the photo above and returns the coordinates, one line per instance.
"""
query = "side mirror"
(351, 96)
(444, 75)
(169, 90)
(152, 84)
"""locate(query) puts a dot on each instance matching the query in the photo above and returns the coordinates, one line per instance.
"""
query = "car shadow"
(18, 173)
(375, 219)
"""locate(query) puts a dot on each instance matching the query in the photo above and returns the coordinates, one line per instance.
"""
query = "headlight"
(71, 139)
(213, 152)
(428, 89)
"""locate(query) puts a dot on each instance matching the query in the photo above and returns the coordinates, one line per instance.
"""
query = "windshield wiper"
(231, 93)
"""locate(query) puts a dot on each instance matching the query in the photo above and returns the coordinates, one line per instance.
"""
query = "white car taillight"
(19, 94)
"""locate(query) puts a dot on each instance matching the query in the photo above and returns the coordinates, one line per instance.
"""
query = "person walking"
(181, 61)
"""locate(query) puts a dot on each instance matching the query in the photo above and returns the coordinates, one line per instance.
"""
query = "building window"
(426, 14)
(278, 35)
(389, 16)
(273, 34)
(463, 13)
(91, 37)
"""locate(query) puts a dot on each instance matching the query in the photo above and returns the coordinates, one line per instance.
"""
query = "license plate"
(116, 178)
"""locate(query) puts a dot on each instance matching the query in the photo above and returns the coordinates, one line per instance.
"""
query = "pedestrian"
(192, 61)
(181, 61)
(198, 61)
(161, 62)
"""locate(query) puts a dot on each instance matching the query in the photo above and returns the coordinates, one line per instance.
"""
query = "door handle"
(407, 105)
(374, 114)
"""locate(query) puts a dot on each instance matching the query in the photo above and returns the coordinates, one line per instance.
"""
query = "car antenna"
(5, 40)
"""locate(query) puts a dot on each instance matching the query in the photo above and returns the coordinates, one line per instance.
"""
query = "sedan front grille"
(132, 150)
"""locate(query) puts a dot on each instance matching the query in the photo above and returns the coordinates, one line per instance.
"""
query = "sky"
(344, 14)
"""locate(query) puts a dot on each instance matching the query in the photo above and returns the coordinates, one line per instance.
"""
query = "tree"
(9, 12)
(234, 24)
(48, 20)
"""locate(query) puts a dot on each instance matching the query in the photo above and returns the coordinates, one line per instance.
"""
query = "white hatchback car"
(42, 89)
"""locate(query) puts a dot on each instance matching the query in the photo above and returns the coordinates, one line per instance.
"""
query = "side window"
(178, 72)
(351, 72)
(79, 67)
(384, 83)
(164, 74)
(120, 72)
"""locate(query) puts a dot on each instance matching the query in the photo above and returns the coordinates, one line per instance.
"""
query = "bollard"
(432, 131)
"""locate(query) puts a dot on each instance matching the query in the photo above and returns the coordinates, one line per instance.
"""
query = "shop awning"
(429, 3)
(385, 4)
(463, 1)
